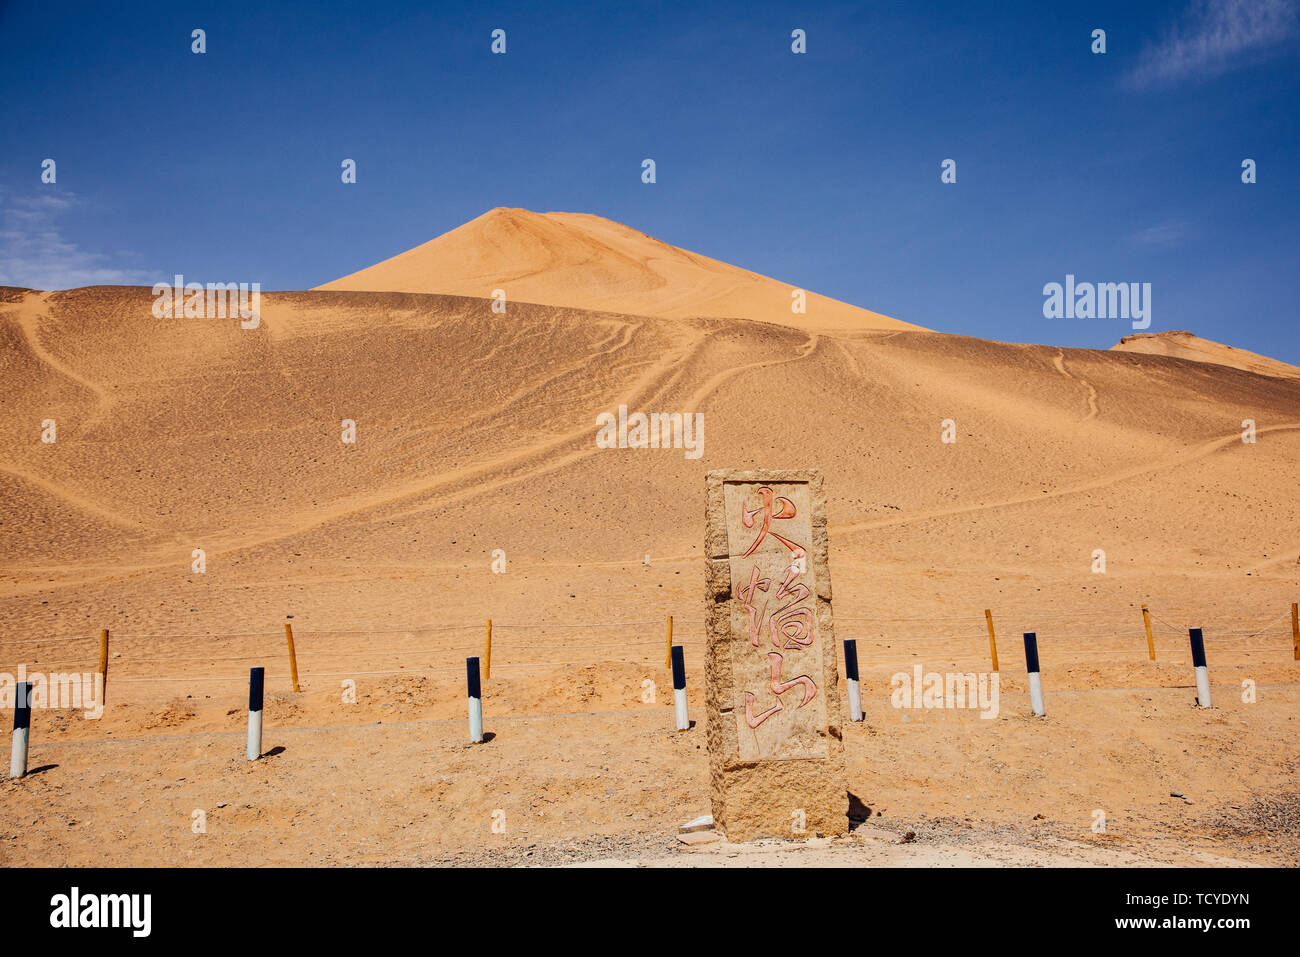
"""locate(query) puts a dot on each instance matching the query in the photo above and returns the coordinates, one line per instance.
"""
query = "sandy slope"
(587, 262)
(476, 432)
(1185, 345)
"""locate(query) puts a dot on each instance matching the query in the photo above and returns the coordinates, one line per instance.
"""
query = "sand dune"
(476, 432)
(1185, 345)
(587, 262)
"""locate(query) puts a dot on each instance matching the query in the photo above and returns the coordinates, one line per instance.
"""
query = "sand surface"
(588, 262)
(475, 432)
(940, 789)
(1185, 345)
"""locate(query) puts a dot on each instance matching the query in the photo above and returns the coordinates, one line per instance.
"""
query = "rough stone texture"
(775, 751)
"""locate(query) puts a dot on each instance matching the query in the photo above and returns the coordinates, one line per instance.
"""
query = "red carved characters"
(787, 511)
(790, 627)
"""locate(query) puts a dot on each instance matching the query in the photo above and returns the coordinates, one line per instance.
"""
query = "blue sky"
(822, 169)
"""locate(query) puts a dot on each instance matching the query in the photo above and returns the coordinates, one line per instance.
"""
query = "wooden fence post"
(1295, 629)
(1151, 642)
(103, 666)
(293, 658)
(993, 641)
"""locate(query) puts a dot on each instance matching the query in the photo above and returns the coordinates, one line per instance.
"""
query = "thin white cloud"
(1216, 36)
(1161, 235)
(34, 252)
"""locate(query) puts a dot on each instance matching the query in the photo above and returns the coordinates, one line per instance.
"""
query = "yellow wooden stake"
(487, 651)
(293, 658)
(1295, 629)
(103, 666)
(1151, 642)
(993, 641)
(668, 650)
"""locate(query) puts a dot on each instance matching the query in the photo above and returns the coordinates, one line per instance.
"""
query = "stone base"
(773, 799)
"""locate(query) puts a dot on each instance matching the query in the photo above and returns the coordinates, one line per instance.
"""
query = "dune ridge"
(581, 261)
(184, 431)
(1185, 345)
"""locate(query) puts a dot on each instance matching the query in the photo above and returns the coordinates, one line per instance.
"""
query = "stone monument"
(776, 756)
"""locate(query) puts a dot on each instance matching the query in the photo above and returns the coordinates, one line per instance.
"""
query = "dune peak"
(1182, 344)
(585, 261)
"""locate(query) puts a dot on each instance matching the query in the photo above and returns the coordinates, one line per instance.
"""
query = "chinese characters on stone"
(790, 626)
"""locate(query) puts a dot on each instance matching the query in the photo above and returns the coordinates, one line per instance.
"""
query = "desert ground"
(475, 432)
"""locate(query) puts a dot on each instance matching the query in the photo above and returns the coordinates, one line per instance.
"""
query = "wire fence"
(1065, 639)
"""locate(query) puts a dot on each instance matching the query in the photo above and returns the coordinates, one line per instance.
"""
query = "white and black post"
(1202, 673)
(22, 727)
(475, 701)
(256, 679)
(851, 678)
(1035, 678)
(679, 688)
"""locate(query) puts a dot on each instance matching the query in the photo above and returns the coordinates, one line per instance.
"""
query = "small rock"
(702, 823)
